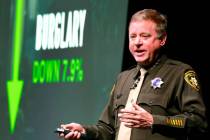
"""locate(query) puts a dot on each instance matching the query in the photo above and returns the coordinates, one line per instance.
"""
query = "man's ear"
(163, 40)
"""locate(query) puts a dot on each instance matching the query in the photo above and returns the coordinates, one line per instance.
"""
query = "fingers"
(73, 135)
(128, 114)
(137, 107)
(70, 126)
(65, 126)
(135, 123)
(61, 134)
(129, 122)
(127, 111)
(75, 131)
(135, 117)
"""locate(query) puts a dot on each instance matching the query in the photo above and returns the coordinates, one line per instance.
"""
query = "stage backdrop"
(58, 62)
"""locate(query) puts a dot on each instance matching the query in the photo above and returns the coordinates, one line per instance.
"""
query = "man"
(165, 103)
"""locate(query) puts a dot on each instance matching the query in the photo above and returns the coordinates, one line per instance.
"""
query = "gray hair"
(150, 14)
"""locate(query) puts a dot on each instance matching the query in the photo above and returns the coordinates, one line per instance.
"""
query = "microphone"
(135, 83)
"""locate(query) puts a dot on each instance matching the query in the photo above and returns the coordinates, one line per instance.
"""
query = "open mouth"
(140, 52)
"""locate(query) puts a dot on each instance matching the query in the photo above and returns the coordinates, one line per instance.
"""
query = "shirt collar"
(157, 64)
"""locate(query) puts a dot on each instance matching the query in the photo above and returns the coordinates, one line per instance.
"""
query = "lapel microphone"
(136, 78)
(135, 83)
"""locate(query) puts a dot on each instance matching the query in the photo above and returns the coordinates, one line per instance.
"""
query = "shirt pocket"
(118, 103)
(154, 103)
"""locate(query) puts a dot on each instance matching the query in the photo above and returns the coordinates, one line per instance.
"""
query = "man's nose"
(138, 41)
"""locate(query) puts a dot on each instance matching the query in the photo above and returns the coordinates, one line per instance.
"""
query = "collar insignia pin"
(156, 82)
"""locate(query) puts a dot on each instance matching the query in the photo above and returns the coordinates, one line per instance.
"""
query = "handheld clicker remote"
(62, 130)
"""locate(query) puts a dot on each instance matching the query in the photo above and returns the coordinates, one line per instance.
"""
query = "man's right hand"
(75, 131)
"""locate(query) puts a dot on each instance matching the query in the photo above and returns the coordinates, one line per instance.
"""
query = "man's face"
(143, 41)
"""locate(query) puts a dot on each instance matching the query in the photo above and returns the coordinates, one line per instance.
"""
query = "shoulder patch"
(191, 79)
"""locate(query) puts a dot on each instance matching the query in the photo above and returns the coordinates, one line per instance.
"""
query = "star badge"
(156, 82)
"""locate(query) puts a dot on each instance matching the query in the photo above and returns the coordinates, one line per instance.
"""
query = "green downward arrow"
(15, 86)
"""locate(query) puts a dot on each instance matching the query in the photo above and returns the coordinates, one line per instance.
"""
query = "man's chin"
(140, 60)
